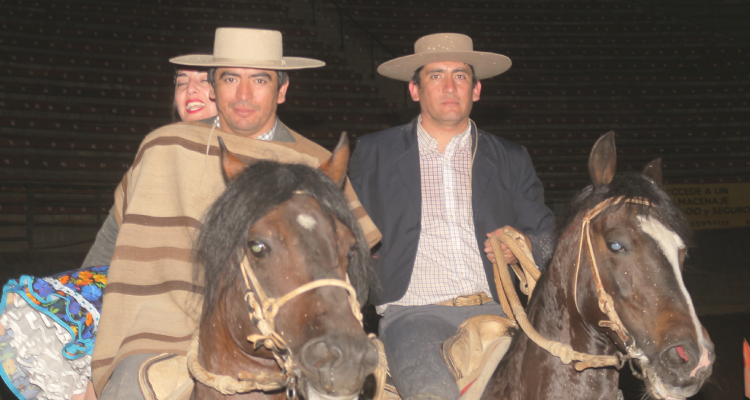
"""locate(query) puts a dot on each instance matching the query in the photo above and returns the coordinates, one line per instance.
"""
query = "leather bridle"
(606, 304)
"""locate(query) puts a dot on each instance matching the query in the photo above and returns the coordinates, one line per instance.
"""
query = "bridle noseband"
(264, 309)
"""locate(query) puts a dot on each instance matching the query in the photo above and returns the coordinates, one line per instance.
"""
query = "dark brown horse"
(638, 242)
(293, 226)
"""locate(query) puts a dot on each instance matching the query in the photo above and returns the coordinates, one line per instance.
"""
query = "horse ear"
(653, 171)
(231, 167)
(335, 167)
(603, 160)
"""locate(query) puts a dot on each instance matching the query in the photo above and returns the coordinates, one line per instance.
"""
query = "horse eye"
(615, 247)
(352, 253)
(259, 249)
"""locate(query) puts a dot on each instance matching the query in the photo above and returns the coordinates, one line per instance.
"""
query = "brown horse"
(278, 230)
(638, 244)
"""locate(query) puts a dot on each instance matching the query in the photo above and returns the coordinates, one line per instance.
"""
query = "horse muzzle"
(334, 367)
(679, 371)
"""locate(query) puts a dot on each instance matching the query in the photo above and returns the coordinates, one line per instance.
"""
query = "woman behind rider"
(191, 103)
(40, 315)
(191, 99)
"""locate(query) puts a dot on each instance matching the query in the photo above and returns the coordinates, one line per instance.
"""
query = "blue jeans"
(413, 336)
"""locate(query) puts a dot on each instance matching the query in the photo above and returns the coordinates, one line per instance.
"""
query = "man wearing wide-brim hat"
(437, 188)
(152, 303)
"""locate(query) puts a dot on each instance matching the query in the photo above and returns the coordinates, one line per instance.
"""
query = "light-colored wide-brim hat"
(441, 47)
(247, 48)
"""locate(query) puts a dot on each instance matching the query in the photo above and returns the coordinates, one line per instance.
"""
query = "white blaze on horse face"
(307, 221)
(671, 244)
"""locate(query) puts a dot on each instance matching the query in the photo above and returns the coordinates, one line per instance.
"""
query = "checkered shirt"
(448, 263)
(269, 135)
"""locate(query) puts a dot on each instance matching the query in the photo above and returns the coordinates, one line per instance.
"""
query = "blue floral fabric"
(72, 299)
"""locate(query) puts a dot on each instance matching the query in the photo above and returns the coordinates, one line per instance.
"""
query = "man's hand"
(509, 257)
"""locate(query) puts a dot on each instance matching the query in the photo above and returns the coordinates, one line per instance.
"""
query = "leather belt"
(475, 299)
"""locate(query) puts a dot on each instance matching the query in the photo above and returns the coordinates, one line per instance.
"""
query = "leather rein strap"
(515, 311)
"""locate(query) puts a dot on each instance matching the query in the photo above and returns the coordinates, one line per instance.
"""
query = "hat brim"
(208, 60)
(486, 65)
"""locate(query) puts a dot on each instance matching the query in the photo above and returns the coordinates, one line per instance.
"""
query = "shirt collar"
(268, 136)
(428, 142)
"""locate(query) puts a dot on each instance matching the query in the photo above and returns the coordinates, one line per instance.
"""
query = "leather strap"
(476, 299)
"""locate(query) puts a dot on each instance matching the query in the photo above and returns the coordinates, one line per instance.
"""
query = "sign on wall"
(712, 206)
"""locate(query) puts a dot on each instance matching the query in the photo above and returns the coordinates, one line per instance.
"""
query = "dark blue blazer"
(384, 170)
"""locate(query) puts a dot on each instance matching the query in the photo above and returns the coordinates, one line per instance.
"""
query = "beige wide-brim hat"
(445, 47)
(247, 48)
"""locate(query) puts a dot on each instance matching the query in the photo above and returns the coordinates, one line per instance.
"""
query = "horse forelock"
(263, 186)
(628, 185)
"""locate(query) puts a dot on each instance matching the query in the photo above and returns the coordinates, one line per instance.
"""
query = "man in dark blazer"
(437, 188)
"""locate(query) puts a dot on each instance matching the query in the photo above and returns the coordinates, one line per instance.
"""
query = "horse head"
(278, 248)
(637, 244)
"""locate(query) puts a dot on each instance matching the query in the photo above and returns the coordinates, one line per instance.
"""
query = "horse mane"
(629, 185)
(257, 191)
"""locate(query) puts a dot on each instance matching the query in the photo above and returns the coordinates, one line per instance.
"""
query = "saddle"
(165, 377)
(474, 352)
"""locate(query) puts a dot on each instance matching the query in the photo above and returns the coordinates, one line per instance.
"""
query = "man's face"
(445, 93)
(246, 99)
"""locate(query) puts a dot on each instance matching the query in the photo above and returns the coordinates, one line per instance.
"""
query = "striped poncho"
(151, 303)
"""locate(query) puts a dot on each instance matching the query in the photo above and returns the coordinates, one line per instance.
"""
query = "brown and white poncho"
(151, 303)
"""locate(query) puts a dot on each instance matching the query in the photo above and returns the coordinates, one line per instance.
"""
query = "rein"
(262, 312)
(514, 309)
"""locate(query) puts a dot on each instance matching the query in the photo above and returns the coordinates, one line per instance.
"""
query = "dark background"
(83, 81)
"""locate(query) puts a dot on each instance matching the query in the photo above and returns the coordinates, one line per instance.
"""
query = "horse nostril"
(371, 358)
(335, 356)
(682, 353)
(675, 357)
(320, 354)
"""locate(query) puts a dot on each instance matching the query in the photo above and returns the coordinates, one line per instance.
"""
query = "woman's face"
(191, 95)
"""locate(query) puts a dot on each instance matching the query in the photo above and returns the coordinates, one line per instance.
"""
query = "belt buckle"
(467, 300)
